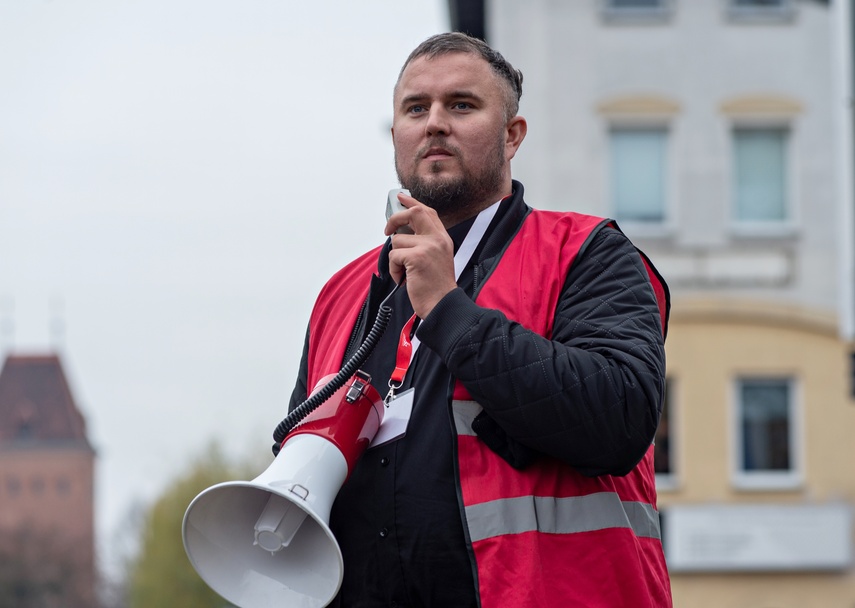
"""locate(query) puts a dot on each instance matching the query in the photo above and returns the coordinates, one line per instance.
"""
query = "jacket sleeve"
(591, 395)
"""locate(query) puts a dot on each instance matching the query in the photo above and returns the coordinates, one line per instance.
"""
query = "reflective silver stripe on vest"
(560, 515)
(464, 414)
(548, 514)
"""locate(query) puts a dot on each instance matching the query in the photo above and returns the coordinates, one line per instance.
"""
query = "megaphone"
(267, 542)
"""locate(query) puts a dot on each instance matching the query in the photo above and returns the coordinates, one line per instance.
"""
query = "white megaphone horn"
(267, 542)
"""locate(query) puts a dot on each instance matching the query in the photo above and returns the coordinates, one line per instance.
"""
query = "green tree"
(162, 575)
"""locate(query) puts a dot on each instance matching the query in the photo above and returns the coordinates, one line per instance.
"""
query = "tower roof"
(36, 404)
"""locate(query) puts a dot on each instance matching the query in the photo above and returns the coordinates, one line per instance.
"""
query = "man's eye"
(417, 109)
(462, 105)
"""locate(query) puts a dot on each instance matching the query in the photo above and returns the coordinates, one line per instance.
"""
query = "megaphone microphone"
(267, 542)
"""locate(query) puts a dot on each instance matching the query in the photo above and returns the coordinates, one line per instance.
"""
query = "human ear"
(515, 132)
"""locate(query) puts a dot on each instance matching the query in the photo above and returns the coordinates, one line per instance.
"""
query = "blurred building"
(46, 489)
(719, 133)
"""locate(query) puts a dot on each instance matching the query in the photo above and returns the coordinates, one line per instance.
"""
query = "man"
(525, 476)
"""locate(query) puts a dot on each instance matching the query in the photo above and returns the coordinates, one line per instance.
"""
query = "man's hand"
(425, 257)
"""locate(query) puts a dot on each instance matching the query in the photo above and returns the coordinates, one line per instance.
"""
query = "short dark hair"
(456, 42)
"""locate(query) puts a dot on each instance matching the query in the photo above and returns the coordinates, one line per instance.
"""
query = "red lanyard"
(461, 259)
(403, 358)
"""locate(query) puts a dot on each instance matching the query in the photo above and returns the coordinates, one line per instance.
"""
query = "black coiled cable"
(359, 357)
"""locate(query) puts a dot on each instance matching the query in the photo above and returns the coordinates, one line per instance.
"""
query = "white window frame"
(610, 12)
(642, 229)
(763, 14)
(788, 226)
(768, 480)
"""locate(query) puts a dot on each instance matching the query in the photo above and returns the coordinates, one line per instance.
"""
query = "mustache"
(439, 142)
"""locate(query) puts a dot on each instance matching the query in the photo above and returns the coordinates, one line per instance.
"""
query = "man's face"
(450, 136)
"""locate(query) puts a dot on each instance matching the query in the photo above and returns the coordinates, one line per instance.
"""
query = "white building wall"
(574, 58)
(844, 107)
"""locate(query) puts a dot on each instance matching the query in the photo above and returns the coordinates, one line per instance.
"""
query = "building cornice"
(764, 105)
(754, 312)
(638, 105)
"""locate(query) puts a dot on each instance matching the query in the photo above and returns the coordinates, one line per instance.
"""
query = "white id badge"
(395, 418)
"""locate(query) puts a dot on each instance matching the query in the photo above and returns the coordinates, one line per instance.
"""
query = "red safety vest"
(545, 536)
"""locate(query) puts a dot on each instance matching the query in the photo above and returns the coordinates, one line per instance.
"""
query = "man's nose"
(437, 122)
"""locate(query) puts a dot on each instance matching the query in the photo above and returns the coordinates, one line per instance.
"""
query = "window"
(760, 175)
(25, 430)
(759, 3)
(619, 4)
(13, 486)
(765, 434)
(761, 10)
(63, 486)
(620, 10)
(638, 174)
(663, 445)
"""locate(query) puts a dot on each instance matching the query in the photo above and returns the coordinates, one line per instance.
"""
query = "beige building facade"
(713, 346)
(719, 134)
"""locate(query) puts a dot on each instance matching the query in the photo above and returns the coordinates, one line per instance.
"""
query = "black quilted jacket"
(592, 394)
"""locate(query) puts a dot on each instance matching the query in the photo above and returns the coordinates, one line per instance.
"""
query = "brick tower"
(46, 489)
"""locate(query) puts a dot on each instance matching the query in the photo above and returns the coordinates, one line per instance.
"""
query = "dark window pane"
(25, 430)
(662, 445)
(13, 486)
(765, 425)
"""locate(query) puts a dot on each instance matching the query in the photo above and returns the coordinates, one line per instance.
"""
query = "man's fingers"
(396, 269)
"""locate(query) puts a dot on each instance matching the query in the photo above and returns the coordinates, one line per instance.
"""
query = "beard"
(460, 196)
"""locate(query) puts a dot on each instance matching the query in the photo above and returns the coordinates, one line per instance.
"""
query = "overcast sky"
(177, 180)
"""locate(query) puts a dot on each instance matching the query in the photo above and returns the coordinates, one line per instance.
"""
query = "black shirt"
(408, 534)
